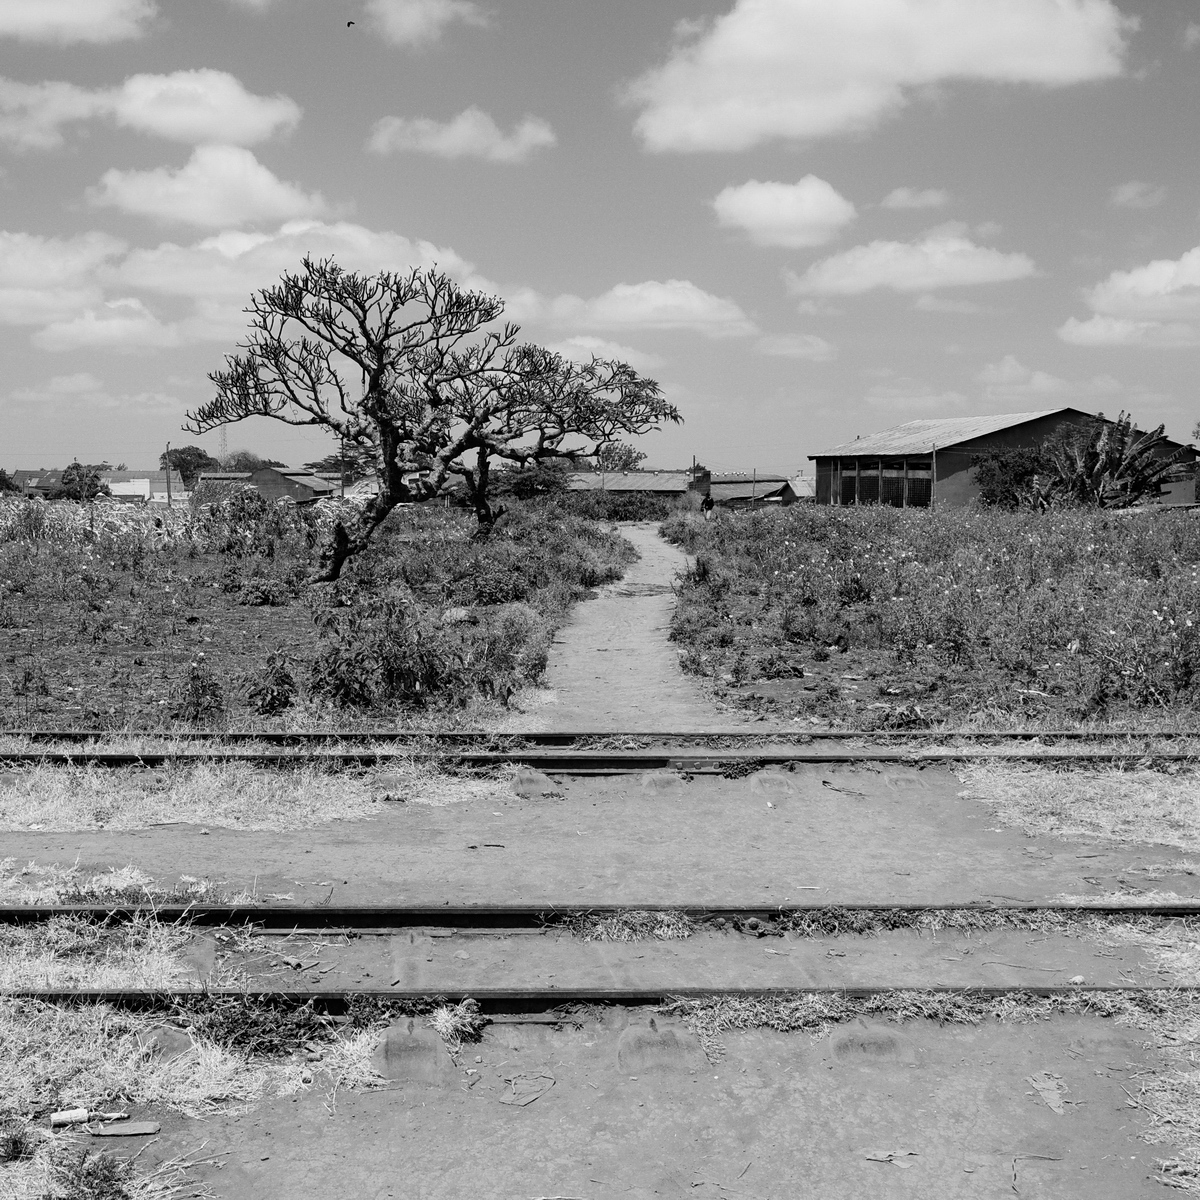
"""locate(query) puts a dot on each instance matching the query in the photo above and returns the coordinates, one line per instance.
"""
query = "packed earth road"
(618, 1101)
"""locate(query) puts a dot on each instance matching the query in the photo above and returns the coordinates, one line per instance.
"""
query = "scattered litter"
(1076, 979)
(781, 953)
(1050, 1087)
(493, 845)
(81, 1116)
(526, 1088)
(126, 1129)
(895, 1157)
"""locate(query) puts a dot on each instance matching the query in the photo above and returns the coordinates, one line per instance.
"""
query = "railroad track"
(584, 762)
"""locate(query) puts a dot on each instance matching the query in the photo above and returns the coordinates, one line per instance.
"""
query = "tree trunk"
(345, 543)
(478, 484)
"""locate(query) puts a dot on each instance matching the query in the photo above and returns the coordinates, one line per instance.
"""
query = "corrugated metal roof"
(748, 477)
(920, 437)
(630, 481)
(746, 491)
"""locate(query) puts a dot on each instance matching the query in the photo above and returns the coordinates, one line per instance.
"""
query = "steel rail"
(676, 737)
(583, 762)
(540, 1000)
(518, 916)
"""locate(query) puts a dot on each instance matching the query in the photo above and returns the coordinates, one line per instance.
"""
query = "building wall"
(954, 482)
(275, 486)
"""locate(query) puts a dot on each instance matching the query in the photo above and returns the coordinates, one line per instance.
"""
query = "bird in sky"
(349, 23)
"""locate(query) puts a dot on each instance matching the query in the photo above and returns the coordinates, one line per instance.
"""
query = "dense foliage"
(115, 615)
(954, 612)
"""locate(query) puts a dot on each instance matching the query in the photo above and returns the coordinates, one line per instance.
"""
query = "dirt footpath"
(613, 667)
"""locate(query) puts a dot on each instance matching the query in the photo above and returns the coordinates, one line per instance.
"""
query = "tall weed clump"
(433, 615)
(1073, 610)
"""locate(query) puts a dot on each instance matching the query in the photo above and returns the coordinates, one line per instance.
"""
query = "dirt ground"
(829, 835)
(613, 667)
(472, 960)
(779, 1116)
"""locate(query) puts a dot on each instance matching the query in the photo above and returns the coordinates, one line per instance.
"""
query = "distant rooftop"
(630, 481)
(920, 437)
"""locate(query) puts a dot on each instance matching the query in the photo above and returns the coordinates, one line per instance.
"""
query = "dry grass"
(633, 926)
(46, 884)
(66, 1167)
(223, 795)
(75, 952)
(836, 922)
(1109, 803)
(458, 1023)
(818, 1012)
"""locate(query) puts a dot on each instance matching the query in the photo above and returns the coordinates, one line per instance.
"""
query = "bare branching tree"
(438, 394)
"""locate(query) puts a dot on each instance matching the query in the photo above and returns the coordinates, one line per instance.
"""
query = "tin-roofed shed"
(922, 462)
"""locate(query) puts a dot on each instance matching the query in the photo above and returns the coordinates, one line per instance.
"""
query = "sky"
(806, 219)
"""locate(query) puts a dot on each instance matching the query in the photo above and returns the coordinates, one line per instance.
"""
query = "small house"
(748, 490)
(277, 483)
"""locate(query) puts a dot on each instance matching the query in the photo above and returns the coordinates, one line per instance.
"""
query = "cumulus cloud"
(1154, 305)
(676, 304)
(906, 197)
(1010, 381)
(185, 106)
(942, 258)
(46, 279)
(812, 68)
(808, 213)
(797, 345)
(421, 22)
(75, 20)
(584, 348)
(219, 187)
(472, 134)
(1136, 194)
(121, 324)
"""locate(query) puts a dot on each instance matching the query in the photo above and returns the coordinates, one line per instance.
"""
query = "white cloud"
(939, 304)
(219, 187)
(1121, 331)
(910, 395)
(219, 274)
(584, 348)
(1191, 35)
(906, 197)
(797, 345)
(676, 304)
(1010, 381)
(807, 213)
(815, 68)
(122, 324)
(942, 258)
(1136, 194)
(75, 20)
(1154, 305)
(472, 134)
(48, 279)
(421, 22)
(186, 106)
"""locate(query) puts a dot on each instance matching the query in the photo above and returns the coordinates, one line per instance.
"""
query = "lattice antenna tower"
(222, 442)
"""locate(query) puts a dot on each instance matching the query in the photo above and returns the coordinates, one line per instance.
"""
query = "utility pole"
(168, 458)
(342, 462)
(754, 488)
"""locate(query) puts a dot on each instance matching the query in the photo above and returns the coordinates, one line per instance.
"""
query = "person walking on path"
(707, 505)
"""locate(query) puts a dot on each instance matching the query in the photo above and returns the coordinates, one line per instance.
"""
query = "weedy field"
(115, 617)
(878, 618)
